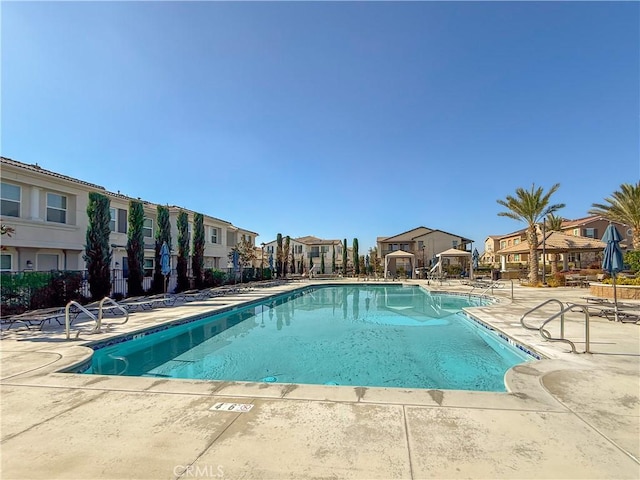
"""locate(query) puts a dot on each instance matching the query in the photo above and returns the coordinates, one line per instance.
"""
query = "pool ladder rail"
(544, 333)
(112, 305)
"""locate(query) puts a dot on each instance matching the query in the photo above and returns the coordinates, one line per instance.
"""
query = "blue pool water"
(359, 335)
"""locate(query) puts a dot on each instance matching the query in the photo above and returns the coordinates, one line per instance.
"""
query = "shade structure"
(454, 252)
(165, 262)
(612, 261)
(398, 254)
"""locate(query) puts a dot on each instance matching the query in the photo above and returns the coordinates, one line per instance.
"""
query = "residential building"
(47, 211)
(494, 243)
(424, 243)
(588, 227)
(309, 250)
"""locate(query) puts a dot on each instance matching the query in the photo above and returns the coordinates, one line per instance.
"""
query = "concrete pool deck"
(567, 416)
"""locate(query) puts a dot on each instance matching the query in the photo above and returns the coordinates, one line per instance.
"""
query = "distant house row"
(418, 248)
(501, 250)
(47, 212)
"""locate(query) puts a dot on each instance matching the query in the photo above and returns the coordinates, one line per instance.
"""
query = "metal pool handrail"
(67, 320)
(545, 333)
(97, 328)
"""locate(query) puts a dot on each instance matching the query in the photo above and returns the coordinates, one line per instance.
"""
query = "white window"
(213, 232)
(147, 267)
(56, 208)
(112, 221)
(420, 244)
(147, 228)
(10, 200)
(590, 232)
(516, 241)
(503, 244)
(5, 262)
(454, 243)
(576, 232)
(516, 257)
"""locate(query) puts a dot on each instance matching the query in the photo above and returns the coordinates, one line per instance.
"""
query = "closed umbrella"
(476, 258)
(236, 263)
(612, 262)
(165, 262)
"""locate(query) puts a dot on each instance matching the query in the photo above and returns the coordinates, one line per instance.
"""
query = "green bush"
(632, 258)
(623, 281)
(213, 277)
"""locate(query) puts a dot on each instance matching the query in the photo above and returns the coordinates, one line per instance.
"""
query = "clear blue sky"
(338, 120)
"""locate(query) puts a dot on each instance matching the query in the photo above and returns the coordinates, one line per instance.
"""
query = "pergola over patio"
(555, 242)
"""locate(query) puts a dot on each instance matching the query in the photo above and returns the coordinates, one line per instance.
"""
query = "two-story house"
(421, 242)
(307, 251)
(501, 250)
(47, 212)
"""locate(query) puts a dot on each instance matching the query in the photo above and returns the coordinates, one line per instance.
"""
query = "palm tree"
(530, 206)
(554, 223)
(623, 207)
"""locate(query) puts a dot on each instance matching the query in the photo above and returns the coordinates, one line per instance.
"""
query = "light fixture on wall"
(29, 265)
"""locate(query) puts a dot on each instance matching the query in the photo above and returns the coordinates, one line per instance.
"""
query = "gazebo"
(394, 256)
(455, 253)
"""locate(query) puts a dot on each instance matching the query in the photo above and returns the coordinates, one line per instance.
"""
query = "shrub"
(623, 281)
(632, 258)
(213, 278)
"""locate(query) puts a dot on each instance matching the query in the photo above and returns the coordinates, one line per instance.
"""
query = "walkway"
(568, 416)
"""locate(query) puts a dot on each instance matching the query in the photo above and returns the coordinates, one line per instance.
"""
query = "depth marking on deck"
(232, 407)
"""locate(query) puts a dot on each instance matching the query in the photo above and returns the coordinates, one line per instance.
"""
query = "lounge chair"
(191, 295)
(148, 302)
(39, 317)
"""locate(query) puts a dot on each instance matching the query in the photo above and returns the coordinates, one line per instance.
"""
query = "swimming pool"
(359, 335)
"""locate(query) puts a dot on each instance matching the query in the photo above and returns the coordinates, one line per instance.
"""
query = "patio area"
(567, 416)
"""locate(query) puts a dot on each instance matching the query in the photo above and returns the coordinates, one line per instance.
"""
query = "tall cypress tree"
(293, 262)
(197, 261)
(333, 260)
(163, 234)
(279, 255)
(285, 255)
(183, 251)
(344, 257)
(356, 257)
(322, 263)
(135, 248)
(97, 249)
